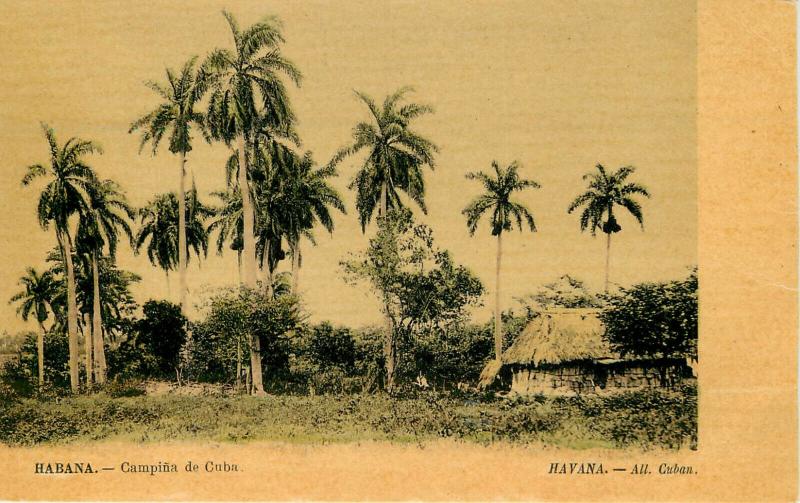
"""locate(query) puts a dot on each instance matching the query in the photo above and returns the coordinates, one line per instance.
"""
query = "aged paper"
(699, 97)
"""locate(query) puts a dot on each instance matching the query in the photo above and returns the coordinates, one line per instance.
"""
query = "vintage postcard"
(398, 250)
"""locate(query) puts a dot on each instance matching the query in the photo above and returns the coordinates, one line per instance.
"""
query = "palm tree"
(227, 220)
(396, 156)
(64, 196)
(248, 90)
(176, 115)
(310, 202)
(99, 228)
(38, 291)
(158, 229)
(504, 213)
(604, 192)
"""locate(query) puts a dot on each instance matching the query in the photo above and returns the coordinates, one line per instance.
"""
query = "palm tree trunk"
(389, 345)
(40, 354)
(238, 364)
(239, 265)
(249, 252)
(88, 337)
(608, 257)
(182, 234)
(72, 311)
(498, 322)
(97, 324)
(295, 266)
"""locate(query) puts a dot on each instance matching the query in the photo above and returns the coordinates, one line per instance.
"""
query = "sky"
(556, 85)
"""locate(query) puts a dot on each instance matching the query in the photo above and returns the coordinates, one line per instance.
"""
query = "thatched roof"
(559, 335)
(554, 336)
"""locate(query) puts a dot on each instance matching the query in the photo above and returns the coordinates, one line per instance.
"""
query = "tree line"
(276, 195)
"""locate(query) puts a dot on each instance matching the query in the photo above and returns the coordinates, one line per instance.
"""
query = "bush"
(22, 375)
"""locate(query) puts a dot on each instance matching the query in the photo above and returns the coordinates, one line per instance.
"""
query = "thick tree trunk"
(182, 235)
(249, 261)
(88, 346)
(239, 265)
(72, 314)
(295, 266)
(97, 325)
(608, 257)
(40, 354)
(498, 322)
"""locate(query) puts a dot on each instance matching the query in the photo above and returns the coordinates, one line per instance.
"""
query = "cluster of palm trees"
(275, 193)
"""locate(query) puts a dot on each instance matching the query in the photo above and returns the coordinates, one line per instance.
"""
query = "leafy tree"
(566, 292)
(504, 213)
(175, 117)
(332, 346)
(657, 320)
(101, 222)
(38, 291)
(422, 289)
(604, 192)
(247, 94)
(159, 229)
(395, 159)
(65, 194)
(161, 332)
(19, 374)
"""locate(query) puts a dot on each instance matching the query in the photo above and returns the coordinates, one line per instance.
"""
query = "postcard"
(398, 250)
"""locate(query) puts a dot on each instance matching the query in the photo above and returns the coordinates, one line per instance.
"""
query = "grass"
(646, 419)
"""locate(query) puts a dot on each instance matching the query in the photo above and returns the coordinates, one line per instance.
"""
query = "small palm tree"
(504, 214)
(99, 228)
(604, 192)
(158, 229)
(227, 220)
(396, 156)
(176, 116)
(35, 298)
(308, 200)
(65, 195)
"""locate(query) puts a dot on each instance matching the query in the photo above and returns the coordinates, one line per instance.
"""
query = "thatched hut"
(563, 351)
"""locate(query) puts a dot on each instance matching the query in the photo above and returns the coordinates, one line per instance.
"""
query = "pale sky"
(557, 85)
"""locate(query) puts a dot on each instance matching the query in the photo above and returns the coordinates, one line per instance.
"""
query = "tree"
(38, 291)
(604, 192)
(227, 220)
(423, 291)
(176, 116)
(247, 89)
(65, 194)
(161, 332)
(396, 156)
(306, 198)
(159, 229)
(654, 320)
(101, 222)
(497, 199)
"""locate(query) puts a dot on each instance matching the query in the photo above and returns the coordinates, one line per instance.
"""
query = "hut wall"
(643, 376)
(562, 379)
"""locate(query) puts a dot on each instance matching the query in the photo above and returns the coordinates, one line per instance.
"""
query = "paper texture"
(699, 96)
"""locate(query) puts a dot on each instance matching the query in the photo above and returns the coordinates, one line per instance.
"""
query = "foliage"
(159, 229)
(396, 155)
(422, 288)
(161, 332)
(497, 199)
(38, 292)
(654, 319)
(566, 292)
(21, 374)
(605, 191)
(640, 419)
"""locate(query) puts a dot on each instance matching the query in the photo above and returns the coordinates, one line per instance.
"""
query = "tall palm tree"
(310, 200)
(176, 116)
(38, 291)
(107, 215)
(64, 195)
(396, 156)
(158, 229)
(499, 188)
(247, 89)
(604, 192)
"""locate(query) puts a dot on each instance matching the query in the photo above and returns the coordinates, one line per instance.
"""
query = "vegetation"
(604, 193)
(497, 200)
(326, 382)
